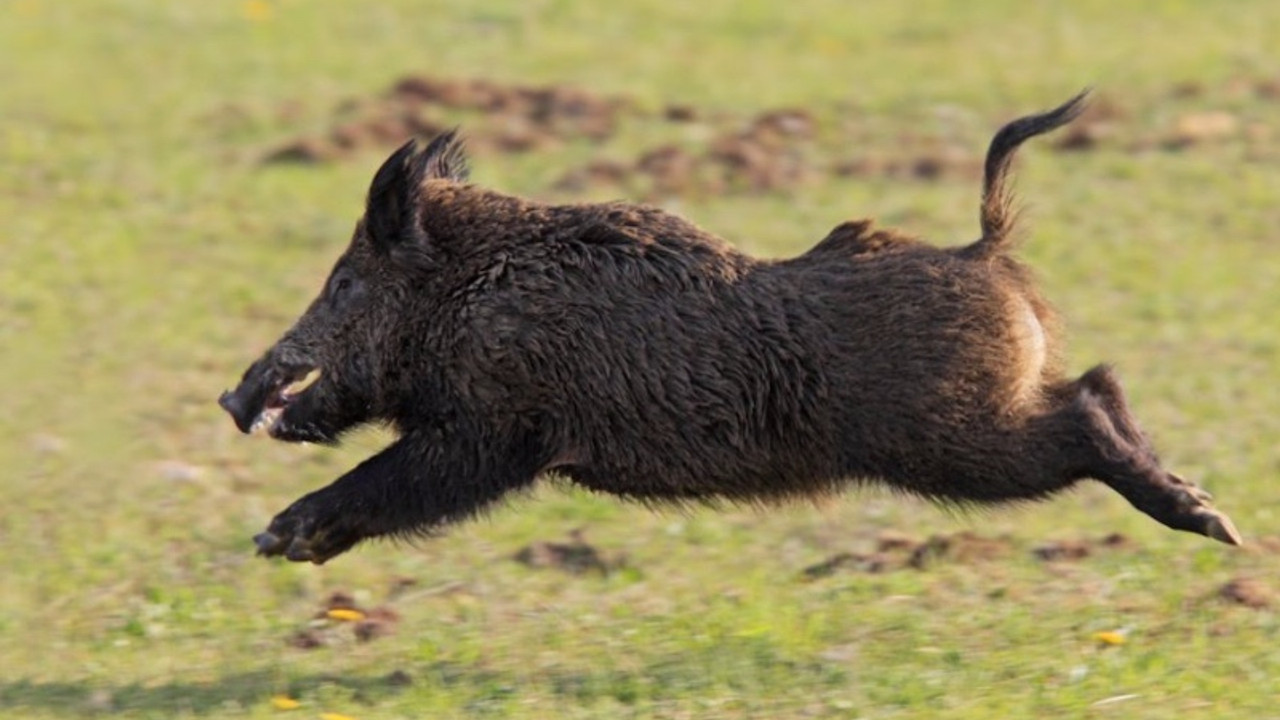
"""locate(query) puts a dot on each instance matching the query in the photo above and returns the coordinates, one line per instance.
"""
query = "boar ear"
(393, 195)
(389, 209)
(445, 158)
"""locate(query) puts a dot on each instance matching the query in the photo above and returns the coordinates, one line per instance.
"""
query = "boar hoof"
(300, 536)
(300, 551)
(1219, 527)
(268, 544)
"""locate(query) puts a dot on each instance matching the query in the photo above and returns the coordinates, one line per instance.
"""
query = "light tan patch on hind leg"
(1031, 343)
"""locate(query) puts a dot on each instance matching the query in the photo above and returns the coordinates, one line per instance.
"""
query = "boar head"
(328, 373)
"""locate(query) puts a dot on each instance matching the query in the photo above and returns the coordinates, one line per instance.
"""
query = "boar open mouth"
(281, 396)
(254, 407)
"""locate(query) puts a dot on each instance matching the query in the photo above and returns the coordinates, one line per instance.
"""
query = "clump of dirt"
(1063, 550)
(765, 155)
(936, 161)
(891, 541)
(386, 125)
(671, 170)
(576, 557)
(768, 153)
(378, 622)
(1186, 89)
(962, 547)
(768, 156)
(1059, 550)
(896, 551)
(309, 639)
(1208, 127)
(1097, 126)
(339, 612)
(855, 562)
(1202, 127)
(339, 600)
(597, 173)
(398, 678)
(1267, 89)
(681, 113)
(303, 150)
(776, 150)
(1263, 545)
(561, 110)
(505, 118)
(1247, 591)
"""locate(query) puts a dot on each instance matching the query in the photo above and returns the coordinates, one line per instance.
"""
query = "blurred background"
(176, 180)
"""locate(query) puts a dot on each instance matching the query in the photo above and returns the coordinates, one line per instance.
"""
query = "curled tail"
(998, 212)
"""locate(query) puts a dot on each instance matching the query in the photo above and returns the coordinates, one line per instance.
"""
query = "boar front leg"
(418, 483)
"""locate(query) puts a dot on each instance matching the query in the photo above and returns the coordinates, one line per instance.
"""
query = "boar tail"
(998, 211)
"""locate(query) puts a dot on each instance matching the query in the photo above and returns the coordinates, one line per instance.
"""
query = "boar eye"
(341, 288)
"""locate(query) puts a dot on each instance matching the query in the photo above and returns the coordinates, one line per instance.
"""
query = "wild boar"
(627, 350)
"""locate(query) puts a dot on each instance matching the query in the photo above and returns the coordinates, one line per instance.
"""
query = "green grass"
(147, 258)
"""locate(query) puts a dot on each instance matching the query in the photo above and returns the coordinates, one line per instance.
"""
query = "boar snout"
(237, 408)
(269, 388)
(247, 400)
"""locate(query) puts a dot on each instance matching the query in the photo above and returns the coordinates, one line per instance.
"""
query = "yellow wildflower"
(1109, 637)
(284, 702)
(344, 614)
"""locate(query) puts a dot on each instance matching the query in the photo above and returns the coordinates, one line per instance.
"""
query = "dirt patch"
(339, 600)
(378, 622)
(1267, 89)
(767, 153)
(559, 110)
(385, 127)
(681, 113)
(576, 557)
(963, 547)
(854, 562)
(309, 639)
(1066, 550)
(714, 153)
(340, 617)
(1202, 127)
(896, 551)
(891, 541)
(1099, 125)
(767, 156)
(1247, 591)
(500, 117)
(398, 678)
(1184, 119)
(776, 151)
(1063, 550)
(770, 151)
(1263, 545)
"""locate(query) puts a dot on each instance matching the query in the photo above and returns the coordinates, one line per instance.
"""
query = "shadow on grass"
(734, 666)
(226, 694)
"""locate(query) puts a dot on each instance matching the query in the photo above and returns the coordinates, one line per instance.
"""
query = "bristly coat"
(636, 354)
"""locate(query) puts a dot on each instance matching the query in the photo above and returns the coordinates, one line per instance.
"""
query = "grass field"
(148, 256)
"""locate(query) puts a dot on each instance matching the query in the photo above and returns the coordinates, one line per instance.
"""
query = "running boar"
(633, 353)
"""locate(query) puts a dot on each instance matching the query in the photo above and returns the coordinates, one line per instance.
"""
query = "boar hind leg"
(1114, 449)
(417, 484)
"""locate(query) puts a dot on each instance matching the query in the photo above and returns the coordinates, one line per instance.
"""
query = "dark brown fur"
(636, 354)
